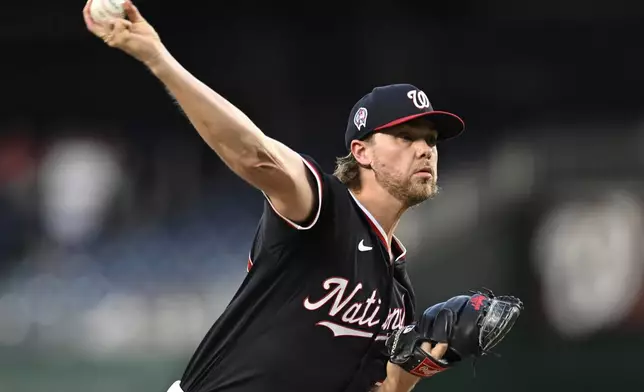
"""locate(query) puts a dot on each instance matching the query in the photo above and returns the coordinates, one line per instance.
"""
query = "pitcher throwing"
(327, 304)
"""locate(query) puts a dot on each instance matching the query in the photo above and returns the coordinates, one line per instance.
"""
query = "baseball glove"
(471, 325)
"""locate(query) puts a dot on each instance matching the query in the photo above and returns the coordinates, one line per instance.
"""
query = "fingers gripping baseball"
(132, 12)
(119, 33)
(130, 32)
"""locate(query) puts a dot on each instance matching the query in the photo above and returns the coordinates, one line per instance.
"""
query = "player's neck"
(385, 208)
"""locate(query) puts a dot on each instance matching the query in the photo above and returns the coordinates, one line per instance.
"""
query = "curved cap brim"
(448, 125)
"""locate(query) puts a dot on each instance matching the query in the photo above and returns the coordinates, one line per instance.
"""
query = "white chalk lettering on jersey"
(351, 315)
(340, 330)
(395, 319)
(357, 312)
(337, 292)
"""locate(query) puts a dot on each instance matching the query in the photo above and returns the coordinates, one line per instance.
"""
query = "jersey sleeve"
(276, 235)
(316, 180)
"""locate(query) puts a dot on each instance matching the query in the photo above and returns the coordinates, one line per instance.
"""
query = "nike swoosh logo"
(362, 247)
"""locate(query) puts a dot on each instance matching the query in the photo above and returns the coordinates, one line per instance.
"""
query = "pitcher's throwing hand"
(132, 34)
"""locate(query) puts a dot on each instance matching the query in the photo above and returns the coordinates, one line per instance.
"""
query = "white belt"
(176, 387)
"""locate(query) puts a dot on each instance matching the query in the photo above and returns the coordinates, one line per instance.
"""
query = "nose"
(424, 149)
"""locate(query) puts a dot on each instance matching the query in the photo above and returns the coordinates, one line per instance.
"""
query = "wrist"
(393, 384)
(160, 62)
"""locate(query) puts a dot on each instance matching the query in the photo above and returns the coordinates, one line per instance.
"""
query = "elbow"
(259, 158)
(243, 152)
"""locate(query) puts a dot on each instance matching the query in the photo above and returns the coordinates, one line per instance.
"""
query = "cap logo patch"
(419, 98)
(360, 119)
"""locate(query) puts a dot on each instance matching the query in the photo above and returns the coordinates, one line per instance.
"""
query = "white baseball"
(103, 10)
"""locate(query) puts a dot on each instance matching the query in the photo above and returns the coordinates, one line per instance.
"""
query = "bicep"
(291, 185)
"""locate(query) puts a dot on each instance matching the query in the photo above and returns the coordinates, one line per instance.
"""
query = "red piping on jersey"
(401, 248)
(318, 179)
(249, 264)
(380, 232)
(395, 242)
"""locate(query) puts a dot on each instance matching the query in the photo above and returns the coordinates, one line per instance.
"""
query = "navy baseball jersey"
(315, 308)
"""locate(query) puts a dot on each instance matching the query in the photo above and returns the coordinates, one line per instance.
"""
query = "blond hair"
(347, 169)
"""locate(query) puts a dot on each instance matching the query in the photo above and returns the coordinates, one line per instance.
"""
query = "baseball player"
(327, 304)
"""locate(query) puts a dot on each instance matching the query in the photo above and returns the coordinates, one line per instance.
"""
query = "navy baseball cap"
(386, 106)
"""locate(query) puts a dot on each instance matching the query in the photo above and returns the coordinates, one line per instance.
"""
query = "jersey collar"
(398, 247)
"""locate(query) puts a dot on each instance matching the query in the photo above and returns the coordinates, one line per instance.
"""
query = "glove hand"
(413, 352)
(471, 324)
(399, 379)
(461, 327)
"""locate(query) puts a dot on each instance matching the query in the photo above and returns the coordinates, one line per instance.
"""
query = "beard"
(409, 190)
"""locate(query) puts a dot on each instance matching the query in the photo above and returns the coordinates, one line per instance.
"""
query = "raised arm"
(261, 161)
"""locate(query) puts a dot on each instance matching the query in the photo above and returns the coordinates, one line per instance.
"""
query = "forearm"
(225, 128)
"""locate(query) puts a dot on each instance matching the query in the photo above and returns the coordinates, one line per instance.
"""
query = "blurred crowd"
(123, 236)
(98, 244)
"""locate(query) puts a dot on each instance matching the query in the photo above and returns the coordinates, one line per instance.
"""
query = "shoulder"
(328, 189)
(331, 198)
(280, 238)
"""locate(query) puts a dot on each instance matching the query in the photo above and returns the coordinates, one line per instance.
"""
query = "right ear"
(361, 152)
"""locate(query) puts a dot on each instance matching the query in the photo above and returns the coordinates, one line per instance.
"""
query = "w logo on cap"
(360, 119)
(419, 98)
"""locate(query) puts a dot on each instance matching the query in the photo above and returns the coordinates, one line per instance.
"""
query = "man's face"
(405, 161)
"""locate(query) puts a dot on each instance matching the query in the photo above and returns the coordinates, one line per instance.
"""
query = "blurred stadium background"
(122, 237)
